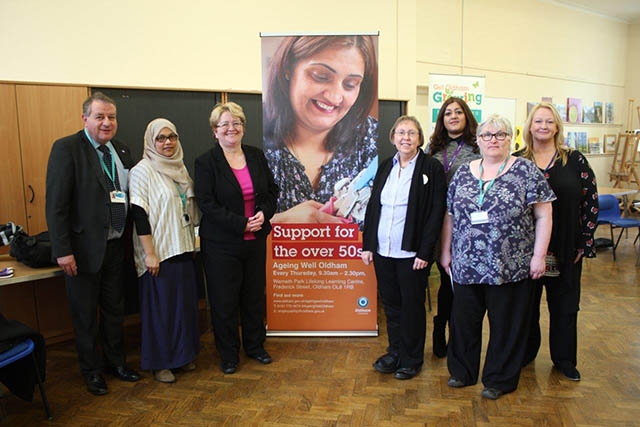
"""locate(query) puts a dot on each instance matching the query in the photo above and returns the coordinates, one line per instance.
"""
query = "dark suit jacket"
(220, 198)
(77, 200)
(425, 210)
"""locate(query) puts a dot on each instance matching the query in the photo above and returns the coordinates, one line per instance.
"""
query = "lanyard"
(551, 162)
(111, 175)
(448, 165)
(480, 182)
(183, 197)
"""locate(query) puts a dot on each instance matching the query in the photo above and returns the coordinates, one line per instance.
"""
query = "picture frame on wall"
(609, 143)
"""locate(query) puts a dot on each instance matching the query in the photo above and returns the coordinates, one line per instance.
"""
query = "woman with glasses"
(575, 213)
(164, 212)
(402, 225)
(453, 142)
(320, 139)
(494, 240)
(237, 196)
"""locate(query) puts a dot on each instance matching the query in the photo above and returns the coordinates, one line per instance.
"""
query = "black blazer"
(219, 195)
(425, 210)
(77, 200)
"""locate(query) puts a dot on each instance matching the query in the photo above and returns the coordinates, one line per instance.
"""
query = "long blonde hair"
(563, 150)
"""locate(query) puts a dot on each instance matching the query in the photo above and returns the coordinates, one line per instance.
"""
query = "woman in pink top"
(237, 195)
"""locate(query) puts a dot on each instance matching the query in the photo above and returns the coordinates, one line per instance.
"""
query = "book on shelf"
(598, 116)
(574, 110)
(577, 141)
(595, 145)
(588, 114)
(608, 112)
(570, 140)
(562, 110)
(582, 142)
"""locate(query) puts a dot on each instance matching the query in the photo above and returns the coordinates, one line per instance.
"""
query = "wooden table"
(22, 273)
(36, 297)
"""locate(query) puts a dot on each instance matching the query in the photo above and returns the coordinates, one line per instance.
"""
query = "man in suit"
(86, 208)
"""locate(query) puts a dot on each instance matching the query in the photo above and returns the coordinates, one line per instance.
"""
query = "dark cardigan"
(425, 210)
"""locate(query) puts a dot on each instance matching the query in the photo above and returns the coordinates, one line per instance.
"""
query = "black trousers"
(403, 291)
(236, 282)
(445, 294)
(563, 301)
(507, 306)
(89, 292)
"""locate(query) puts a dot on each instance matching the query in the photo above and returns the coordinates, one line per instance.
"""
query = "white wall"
(206, 45)
(527, 49)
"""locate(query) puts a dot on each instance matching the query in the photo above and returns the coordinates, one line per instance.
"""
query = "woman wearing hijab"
(164, 212)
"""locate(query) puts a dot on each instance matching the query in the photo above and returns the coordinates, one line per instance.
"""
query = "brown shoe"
(164, 376)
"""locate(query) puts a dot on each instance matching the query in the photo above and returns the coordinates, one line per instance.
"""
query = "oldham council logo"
(363, 302)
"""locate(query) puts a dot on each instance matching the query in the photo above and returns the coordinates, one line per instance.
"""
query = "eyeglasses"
(226, 125)
(402, 133)
(500, 136)
(163, 138)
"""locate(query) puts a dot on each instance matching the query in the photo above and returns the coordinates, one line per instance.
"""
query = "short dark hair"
(95, 96)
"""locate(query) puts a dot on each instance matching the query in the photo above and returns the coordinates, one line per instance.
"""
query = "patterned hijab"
(172, 167)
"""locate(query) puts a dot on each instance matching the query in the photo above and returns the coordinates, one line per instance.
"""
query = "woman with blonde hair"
(575, 213)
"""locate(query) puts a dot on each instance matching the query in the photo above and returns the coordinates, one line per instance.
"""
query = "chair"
(22, 349)
(609, 213)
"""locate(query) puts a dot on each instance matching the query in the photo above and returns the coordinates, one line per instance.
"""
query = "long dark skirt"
(169, 315)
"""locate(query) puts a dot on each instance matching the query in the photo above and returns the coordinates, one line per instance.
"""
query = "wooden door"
(12, 207)
(46, 113)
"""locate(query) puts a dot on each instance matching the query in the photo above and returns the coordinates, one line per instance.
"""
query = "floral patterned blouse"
(575, 212)
(499, 251)
(295, 186)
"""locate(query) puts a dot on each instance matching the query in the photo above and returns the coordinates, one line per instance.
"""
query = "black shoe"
(229, 367)
(439, 338)
(123, 373)
(492, 393)
(387, 363)
(407, 373)
(96, 384)
(570, 372)
(455, 383)
(263, 357)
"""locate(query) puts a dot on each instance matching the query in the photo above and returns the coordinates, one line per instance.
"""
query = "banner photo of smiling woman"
(320, 96)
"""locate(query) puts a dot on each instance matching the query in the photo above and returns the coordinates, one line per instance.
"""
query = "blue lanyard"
(545, 172)
(111, 174)
(448, 165)
(480, 182)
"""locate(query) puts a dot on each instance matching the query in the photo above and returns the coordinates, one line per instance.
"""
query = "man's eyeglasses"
(226, 125)
(163, 138)
(500, 136)
(402, 133)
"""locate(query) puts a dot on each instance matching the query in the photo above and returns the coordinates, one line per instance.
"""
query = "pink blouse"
(244, 179)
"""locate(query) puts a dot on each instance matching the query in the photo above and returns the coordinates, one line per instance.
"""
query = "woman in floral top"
(494, 240)
(575, 213)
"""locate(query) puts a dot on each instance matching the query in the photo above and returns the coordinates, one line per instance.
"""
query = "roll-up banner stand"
(320, 127)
